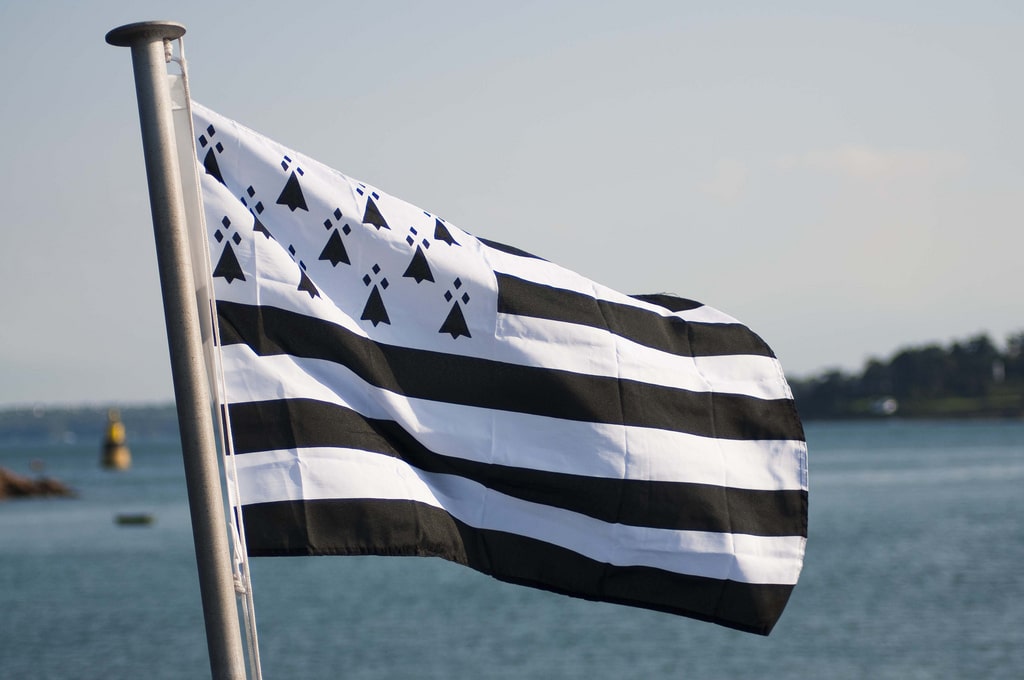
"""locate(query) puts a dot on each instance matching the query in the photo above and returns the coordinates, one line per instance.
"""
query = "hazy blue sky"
(845, 181)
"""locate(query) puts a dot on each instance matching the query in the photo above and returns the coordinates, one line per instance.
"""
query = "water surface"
(913, 570)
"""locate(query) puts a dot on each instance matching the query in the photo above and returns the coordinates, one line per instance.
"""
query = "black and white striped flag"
(397, 386)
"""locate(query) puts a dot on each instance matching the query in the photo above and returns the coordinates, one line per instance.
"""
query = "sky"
(847, 181)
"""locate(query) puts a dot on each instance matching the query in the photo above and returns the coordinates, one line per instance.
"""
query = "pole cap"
(144, 31)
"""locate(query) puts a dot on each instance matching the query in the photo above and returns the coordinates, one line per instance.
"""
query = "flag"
(394, 385)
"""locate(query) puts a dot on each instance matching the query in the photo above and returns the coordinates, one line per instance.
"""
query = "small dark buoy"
(116, 455)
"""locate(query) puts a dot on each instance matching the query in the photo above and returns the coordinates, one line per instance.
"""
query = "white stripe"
(523, 440)
(594, 351)
(318, 474)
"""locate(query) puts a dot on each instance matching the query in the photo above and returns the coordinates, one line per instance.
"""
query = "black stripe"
(503, 386)
(668, 334)
(383, 527)
(672, 303)
(304, 423)
(510, 250)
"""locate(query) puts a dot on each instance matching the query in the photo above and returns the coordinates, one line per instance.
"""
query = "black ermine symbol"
(374, 310)
(228, 267)
(419, 268)
(455, 323)
(441, 232)
(291, 194)
(306, 284)
(334, 252)
(372, 214)
(210, 160)
(256, 211)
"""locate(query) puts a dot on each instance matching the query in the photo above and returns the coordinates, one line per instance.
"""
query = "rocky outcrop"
(17, 486)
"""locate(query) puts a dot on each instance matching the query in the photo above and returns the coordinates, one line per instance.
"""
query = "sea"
(914, 569)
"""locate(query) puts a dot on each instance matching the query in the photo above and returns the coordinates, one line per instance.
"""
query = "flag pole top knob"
(144, 31)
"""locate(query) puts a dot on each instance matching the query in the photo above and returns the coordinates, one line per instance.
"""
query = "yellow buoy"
(116, 455)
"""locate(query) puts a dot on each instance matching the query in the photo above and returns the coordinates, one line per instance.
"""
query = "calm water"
(913, 570)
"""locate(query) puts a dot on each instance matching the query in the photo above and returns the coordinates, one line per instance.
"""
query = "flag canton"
(289, 231)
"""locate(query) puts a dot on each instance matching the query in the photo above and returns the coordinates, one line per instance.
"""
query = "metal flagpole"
(191, 392)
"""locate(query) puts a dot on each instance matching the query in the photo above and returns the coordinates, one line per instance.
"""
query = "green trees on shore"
(971, 378)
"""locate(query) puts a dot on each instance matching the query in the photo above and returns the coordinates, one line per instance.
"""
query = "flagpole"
(191, 392)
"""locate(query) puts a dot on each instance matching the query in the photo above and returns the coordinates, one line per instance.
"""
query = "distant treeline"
(967, 379)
